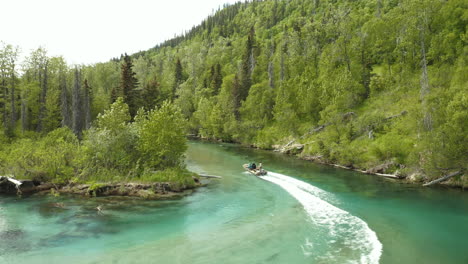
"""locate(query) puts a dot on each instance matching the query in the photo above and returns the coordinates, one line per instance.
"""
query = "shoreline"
(149, 191)
(416, 178)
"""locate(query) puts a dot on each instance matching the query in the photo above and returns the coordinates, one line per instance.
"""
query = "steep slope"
(358, 83)
(375, 85)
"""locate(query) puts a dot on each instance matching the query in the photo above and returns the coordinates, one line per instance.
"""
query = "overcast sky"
(89, 31)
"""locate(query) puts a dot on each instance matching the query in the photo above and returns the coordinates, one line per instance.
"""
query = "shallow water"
(299, 213)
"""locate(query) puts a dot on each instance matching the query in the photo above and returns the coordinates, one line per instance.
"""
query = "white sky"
(89, 31)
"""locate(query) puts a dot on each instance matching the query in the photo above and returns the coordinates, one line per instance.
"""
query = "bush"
(110, 147)
(161, 137)
(392, 146)
(113, 150)
(51, 158)
(117, 150)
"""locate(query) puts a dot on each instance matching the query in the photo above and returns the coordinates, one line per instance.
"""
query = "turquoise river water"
(299, 213)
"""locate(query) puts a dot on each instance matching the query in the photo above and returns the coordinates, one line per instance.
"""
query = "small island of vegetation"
(114, 157)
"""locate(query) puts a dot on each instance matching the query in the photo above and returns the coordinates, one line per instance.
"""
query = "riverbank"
(386, 170)
(239, 212)
(417, 177)
(389, 170)
(155, 190)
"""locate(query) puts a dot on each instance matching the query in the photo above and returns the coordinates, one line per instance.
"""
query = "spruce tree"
(150, 94)
(216, 78)
(178, 77)
(128, 85)
(236, 93)
(115, 93)
(248, 63)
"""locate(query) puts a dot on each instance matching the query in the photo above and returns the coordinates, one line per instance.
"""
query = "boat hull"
(260, 172)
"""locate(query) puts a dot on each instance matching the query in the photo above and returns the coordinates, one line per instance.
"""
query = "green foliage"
(256, 111)
(267, 72)
(447, 143)
(128, 84)
(150, 94)
(117, 150)
(113, 150)
(391, 146)
(161, 137)
(116, 118)
(50, 158)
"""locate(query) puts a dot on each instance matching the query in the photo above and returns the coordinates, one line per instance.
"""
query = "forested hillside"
(363, 84)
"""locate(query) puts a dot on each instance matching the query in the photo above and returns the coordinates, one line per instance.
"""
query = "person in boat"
(260, 168)
(252, 166)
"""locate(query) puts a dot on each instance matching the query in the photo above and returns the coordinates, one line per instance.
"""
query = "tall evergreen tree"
(247, 67)
(216, 78)
(115, 93)
(178, 77)
(150, 93)
(236, 95)
(128, 85)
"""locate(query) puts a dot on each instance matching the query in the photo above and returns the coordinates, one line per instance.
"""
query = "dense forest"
(363, 84)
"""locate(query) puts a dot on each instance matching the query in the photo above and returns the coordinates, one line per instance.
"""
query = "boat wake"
(348, 239)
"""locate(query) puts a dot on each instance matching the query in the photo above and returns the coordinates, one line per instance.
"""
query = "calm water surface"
(299, 213)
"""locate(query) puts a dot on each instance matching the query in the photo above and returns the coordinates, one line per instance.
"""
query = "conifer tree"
(216, 78)
(150, 93)
(128, 85)
(236, 95)
(115, 93)
(248, 64)
(178, 77)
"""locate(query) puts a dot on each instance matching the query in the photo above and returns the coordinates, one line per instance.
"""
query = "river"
(300, 212)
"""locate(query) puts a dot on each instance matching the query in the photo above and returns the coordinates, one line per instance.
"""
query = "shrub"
(161, 137)
(51, 158)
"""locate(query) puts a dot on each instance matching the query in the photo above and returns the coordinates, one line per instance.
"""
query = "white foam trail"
(354, 233)
(306, 187)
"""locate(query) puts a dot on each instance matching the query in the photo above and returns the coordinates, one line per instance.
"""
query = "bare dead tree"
(425, 89)
(42, 99)
(77, 125)
(64, 100)
(87, 104)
